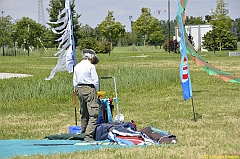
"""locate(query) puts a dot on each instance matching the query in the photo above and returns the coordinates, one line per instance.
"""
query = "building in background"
(197, 32)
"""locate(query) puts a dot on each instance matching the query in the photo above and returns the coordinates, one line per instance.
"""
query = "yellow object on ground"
(101, 93)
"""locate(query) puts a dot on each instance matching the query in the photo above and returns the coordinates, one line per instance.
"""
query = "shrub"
(92, 43)
(174, 46)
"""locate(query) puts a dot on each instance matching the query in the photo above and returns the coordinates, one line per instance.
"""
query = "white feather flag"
(67, 53)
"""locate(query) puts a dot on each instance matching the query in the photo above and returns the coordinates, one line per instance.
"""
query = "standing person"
(86, 83)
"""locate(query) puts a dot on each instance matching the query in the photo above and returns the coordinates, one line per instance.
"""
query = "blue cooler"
(75, 129)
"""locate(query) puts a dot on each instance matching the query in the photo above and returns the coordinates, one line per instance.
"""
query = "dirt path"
(11, 75)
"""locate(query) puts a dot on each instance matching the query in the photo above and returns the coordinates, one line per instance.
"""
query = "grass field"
(149, 93)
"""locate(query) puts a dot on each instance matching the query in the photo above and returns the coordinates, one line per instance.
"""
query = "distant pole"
(194, 115)
(28, 39)
(41, 17)
(28, 49)
(214, 40)
(108, 44)
(130, 18)
(169, 47)
(2, 34)
(24, 41)
(108, 40)
(14, 43)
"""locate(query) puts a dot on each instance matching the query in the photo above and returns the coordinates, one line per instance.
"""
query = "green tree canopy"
(194, 20)
(146, 24)
(86, 31)
(89, 38)
(221, 35)
(237, 21)
(28, 32)
(111, 29)
(165, 29)
(156, 38)
(6, 31)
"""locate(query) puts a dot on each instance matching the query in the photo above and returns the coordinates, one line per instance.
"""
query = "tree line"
(146, 30)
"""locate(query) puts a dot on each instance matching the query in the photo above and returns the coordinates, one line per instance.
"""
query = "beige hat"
(90, 53)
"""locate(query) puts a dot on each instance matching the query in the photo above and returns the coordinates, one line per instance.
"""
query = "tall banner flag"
(67, 53)
(184, 67)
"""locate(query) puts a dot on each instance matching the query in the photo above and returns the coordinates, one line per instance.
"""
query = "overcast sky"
(94, 11)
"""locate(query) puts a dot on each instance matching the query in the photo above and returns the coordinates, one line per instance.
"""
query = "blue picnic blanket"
(11, 148)
(20, 147)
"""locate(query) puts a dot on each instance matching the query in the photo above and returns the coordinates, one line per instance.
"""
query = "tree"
(90, 38)
(133, 38)
(237, 21)
(174, 45)
(55, 7)
(220, 37)
(130, 38)
(156, 38)
(208, 18)
(194, 20)
(111, 29)
(49, 39)
(5, 32)
(86, 31)
(146, 24)
(225, 41)
(28, 32)
(164, 27)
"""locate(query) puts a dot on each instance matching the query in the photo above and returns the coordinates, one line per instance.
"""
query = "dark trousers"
(89, 110)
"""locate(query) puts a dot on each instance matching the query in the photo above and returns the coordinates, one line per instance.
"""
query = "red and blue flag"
(184, 67)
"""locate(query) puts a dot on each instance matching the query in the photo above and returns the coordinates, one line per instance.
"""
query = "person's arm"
(95, 79)
(74, 79)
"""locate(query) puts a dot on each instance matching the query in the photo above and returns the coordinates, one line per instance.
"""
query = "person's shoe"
(88, 139)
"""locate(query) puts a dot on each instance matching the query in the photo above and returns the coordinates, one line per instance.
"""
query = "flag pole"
(72, 42)
(169, 47)
(75, 108)
(194, 114)
(184, 68)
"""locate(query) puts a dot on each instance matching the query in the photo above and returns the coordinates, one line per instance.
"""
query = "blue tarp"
(20, 147)
(10, 148)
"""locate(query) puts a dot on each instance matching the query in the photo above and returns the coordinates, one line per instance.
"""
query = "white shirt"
(85, 73)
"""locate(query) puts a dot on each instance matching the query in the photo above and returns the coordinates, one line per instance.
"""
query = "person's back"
(85, 73)
(86, 82)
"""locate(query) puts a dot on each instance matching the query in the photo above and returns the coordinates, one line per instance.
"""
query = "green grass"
(149, 93)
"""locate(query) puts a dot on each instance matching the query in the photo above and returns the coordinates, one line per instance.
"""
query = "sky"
(94, 11)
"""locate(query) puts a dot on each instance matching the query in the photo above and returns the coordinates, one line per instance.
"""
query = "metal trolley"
(106, 111)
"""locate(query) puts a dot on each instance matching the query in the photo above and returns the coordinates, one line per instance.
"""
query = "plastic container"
(75, 129)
